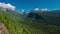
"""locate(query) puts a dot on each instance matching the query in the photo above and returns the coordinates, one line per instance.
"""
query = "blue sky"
(31, 4)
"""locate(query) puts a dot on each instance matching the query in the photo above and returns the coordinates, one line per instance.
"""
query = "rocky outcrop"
(3, 29)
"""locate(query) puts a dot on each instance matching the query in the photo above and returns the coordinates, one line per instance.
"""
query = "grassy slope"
(14, 24)
(11, 21)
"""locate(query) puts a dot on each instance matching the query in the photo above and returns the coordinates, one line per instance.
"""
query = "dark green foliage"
(35, 15)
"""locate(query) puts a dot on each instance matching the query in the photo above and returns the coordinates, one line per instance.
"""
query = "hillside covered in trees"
(33, 23)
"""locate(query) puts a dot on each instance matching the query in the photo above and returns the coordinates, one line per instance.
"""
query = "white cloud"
(45, 9)
(36, 8)
(8, 5)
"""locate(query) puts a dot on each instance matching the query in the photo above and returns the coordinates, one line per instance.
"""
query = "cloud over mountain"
(36, 8)
(8, 5)
(45, 9)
